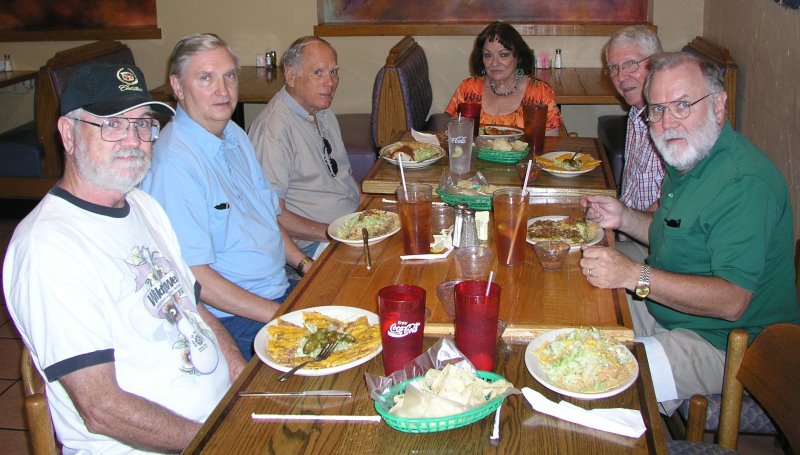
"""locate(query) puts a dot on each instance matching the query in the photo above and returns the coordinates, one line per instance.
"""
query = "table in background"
(580, 85)
(256, 85)
(8, 78)
(532, 301)
(384, 177)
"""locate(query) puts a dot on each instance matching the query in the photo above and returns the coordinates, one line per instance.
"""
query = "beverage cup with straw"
(510, 216)
(477, 315)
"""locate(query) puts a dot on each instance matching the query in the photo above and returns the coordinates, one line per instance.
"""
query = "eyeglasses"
(115, 129)
(627, 67)
(333, 166)
(679, 109)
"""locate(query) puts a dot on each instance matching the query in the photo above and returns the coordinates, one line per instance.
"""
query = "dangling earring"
(520, 72)
(483, 72)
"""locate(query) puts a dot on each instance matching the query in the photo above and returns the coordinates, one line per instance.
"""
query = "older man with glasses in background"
(627, 53)
(721, 240)
(207, 178)
(95, 282)
(299, 144)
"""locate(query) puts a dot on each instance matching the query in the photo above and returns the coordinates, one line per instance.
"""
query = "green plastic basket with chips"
(499, 156)
(432, 425)
(474, 202)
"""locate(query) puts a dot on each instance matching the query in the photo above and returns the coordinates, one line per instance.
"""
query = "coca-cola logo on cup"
(458, 140)
(402, 328)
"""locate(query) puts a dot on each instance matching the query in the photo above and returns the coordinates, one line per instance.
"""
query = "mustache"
(130, 153)
(673, 134)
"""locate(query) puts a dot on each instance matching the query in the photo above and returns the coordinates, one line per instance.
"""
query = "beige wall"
(766, 46)
(253, 26)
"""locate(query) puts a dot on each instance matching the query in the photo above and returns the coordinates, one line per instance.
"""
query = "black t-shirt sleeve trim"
(67, 366)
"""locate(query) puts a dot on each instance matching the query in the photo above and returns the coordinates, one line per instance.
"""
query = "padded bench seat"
(20, 152)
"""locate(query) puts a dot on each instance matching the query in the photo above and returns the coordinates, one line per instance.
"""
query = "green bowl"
(474, 202)
(439, 423)
(498, 156)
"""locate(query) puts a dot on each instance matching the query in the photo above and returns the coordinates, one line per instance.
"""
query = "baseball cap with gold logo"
(108, 90)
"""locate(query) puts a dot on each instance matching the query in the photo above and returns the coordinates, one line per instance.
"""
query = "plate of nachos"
(567, 164)
(575, 231)
(581, 363)
(297, 336)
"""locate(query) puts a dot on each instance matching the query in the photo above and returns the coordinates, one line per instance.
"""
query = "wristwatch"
(643, 285)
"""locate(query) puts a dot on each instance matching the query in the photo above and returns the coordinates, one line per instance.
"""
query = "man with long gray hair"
(207, 178)
(721, 241)
(299, 144)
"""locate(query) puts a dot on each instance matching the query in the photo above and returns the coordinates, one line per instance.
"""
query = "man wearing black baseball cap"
(95, 282)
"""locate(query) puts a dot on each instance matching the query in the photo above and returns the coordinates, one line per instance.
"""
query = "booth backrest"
(728, 69)
(402, 95)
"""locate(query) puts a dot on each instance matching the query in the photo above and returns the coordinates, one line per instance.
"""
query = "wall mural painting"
(443, 11)
(67, 15)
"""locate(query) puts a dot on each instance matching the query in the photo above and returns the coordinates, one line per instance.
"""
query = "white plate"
(564, 173)
(342, 313)
(538, 371)
(334, 227)
(596, 238)
(411, 164)
(512, 134)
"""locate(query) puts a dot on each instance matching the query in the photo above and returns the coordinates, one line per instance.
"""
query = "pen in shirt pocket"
(223, 206)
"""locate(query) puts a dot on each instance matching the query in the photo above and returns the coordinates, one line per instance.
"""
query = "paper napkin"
(625, 422)
(424, 137)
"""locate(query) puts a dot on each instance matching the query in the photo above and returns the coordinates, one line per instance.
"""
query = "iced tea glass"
(510, 207)
(414, 205)
(535, 125)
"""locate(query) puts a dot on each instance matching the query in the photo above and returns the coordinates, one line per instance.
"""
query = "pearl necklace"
(510, 92)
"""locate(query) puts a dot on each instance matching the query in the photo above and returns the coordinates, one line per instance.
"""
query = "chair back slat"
(37, 412)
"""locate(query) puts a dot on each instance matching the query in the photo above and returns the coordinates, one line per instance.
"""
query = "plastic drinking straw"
(527, 173)
(489, 284)
(402, 175)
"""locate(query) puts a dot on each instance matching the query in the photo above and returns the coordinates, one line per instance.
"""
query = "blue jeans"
(244, 330)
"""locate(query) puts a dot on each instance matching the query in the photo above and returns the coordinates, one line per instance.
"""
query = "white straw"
(489, 284)
(402, 175)
(329, 418)
(527, 173)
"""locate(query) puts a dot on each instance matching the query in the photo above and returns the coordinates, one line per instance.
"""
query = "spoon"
(572, 162)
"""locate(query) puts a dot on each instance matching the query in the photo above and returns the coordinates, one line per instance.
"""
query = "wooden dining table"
(532, 301)
(384, 177)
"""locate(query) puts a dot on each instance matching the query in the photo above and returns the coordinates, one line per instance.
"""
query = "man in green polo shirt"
(721, 242)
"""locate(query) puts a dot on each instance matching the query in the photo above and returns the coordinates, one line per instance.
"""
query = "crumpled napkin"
(424, 137)
(625, 422)
(445, 239)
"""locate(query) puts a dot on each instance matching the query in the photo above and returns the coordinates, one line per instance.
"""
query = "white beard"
(103, 175)
(699, 143)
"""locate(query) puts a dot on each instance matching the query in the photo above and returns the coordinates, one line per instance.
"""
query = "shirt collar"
(202, 136)
(294, 106)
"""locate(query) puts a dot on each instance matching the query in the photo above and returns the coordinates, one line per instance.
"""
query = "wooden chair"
(51, 81)
(770, 371)
(37, 412)
(728, 68)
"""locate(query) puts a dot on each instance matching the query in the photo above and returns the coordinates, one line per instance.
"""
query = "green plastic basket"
(474, 202)
(439, 423)
(498, 156)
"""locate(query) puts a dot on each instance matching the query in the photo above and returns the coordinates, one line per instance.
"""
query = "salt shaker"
(7, 63)
(557, 63)
(469, 230)
(268, 59)
(458, 222)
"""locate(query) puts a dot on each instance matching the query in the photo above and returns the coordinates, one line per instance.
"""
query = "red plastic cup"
(401, 308)
(471, 110)
(535, 118)
(476, 322)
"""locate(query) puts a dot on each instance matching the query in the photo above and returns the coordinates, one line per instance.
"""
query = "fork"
(326, 351)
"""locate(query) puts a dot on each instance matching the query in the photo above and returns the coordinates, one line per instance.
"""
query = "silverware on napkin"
(365, 237)
(306, 393)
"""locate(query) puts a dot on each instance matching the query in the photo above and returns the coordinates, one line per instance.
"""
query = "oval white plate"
(334, 227)
(513, 133)
(596, 238)
(342, 313)
(411, 164)
(564, 173)
(538, 372)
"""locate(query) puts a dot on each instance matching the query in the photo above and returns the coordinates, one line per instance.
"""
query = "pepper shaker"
(458, 223)
(268, 59)
(469, 230)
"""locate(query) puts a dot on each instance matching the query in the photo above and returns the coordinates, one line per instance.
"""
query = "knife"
(306, 393)
(365, 236)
